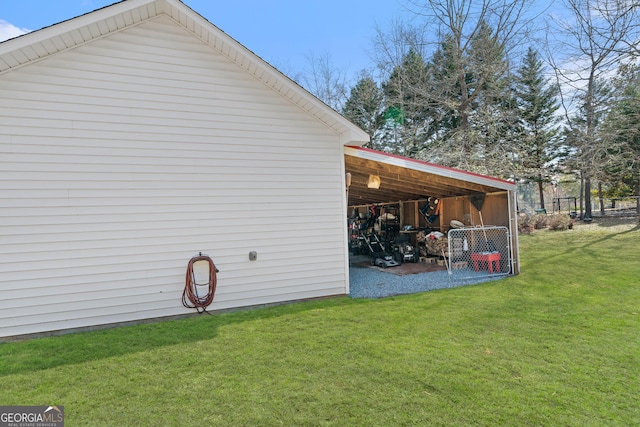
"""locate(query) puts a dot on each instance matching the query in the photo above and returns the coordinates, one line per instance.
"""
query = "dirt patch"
(402, 269)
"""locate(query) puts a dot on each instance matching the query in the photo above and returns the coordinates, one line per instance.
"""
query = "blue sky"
(283, 32)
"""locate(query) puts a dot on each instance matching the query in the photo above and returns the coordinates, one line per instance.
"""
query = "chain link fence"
(618, 206)
(479, 252)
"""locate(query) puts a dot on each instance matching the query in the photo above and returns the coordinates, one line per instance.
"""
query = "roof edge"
(45, 33)
(18, 52)
(433, 168)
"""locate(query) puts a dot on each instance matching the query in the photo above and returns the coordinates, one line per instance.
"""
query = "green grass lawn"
(558, 345)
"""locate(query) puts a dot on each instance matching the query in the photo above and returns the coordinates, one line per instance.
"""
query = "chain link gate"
(479, 252)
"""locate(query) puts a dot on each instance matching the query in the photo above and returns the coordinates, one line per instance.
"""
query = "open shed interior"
(399, 201)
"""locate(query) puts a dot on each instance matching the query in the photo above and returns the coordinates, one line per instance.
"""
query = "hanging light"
(347, 181)
(373, 182)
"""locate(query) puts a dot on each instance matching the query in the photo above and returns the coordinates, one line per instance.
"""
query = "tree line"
(466, 84)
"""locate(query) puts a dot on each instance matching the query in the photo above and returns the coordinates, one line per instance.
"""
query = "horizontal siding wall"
(122, 159)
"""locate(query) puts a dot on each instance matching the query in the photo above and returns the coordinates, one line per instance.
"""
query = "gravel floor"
(371, 283)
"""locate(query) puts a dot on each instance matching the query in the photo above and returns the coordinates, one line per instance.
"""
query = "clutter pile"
(435, 243)
(377, 231)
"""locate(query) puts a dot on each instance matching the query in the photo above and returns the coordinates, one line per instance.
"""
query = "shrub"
(558, 222)
(528, 223)
(540, 221)
(525, 224)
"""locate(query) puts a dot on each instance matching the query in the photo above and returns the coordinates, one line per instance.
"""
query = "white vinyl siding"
(124, 157)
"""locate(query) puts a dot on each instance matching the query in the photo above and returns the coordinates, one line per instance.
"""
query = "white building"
(138, 135)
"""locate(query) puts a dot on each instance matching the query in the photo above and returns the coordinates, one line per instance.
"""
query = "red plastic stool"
(492, 259)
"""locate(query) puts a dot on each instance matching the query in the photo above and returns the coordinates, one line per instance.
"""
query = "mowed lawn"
(558, 345)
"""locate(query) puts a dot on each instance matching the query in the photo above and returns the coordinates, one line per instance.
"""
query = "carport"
(407, 184)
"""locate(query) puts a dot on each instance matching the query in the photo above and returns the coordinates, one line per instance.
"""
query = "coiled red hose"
(191, 296)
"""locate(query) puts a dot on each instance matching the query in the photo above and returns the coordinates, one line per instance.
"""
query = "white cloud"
(9, 31)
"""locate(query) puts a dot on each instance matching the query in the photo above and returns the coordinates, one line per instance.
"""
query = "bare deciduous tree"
(325, 81)
(463, 23)
(588, 46)
(391, 46)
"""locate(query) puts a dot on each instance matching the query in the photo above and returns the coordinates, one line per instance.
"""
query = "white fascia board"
(74, 23)
(354, 136)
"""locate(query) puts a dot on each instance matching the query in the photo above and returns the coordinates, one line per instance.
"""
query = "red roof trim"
(433, 165)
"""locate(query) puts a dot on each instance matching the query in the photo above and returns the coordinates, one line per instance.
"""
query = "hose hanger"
(199, 295)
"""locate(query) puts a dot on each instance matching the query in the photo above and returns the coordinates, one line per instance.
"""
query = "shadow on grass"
(608, 236)
(614, 221)
(575, 246)
(75, 348)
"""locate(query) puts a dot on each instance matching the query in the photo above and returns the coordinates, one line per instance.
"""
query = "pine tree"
(444, 88)
(407, 106)
(471, 103)
(365, 108)
(622, 127)
(537, 104)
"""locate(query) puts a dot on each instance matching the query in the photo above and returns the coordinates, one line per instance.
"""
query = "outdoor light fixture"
(347, 181)
(374, 182)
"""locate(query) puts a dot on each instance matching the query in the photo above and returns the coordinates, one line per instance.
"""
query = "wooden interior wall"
(409, 214)
(495, 211)
(454, 208)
